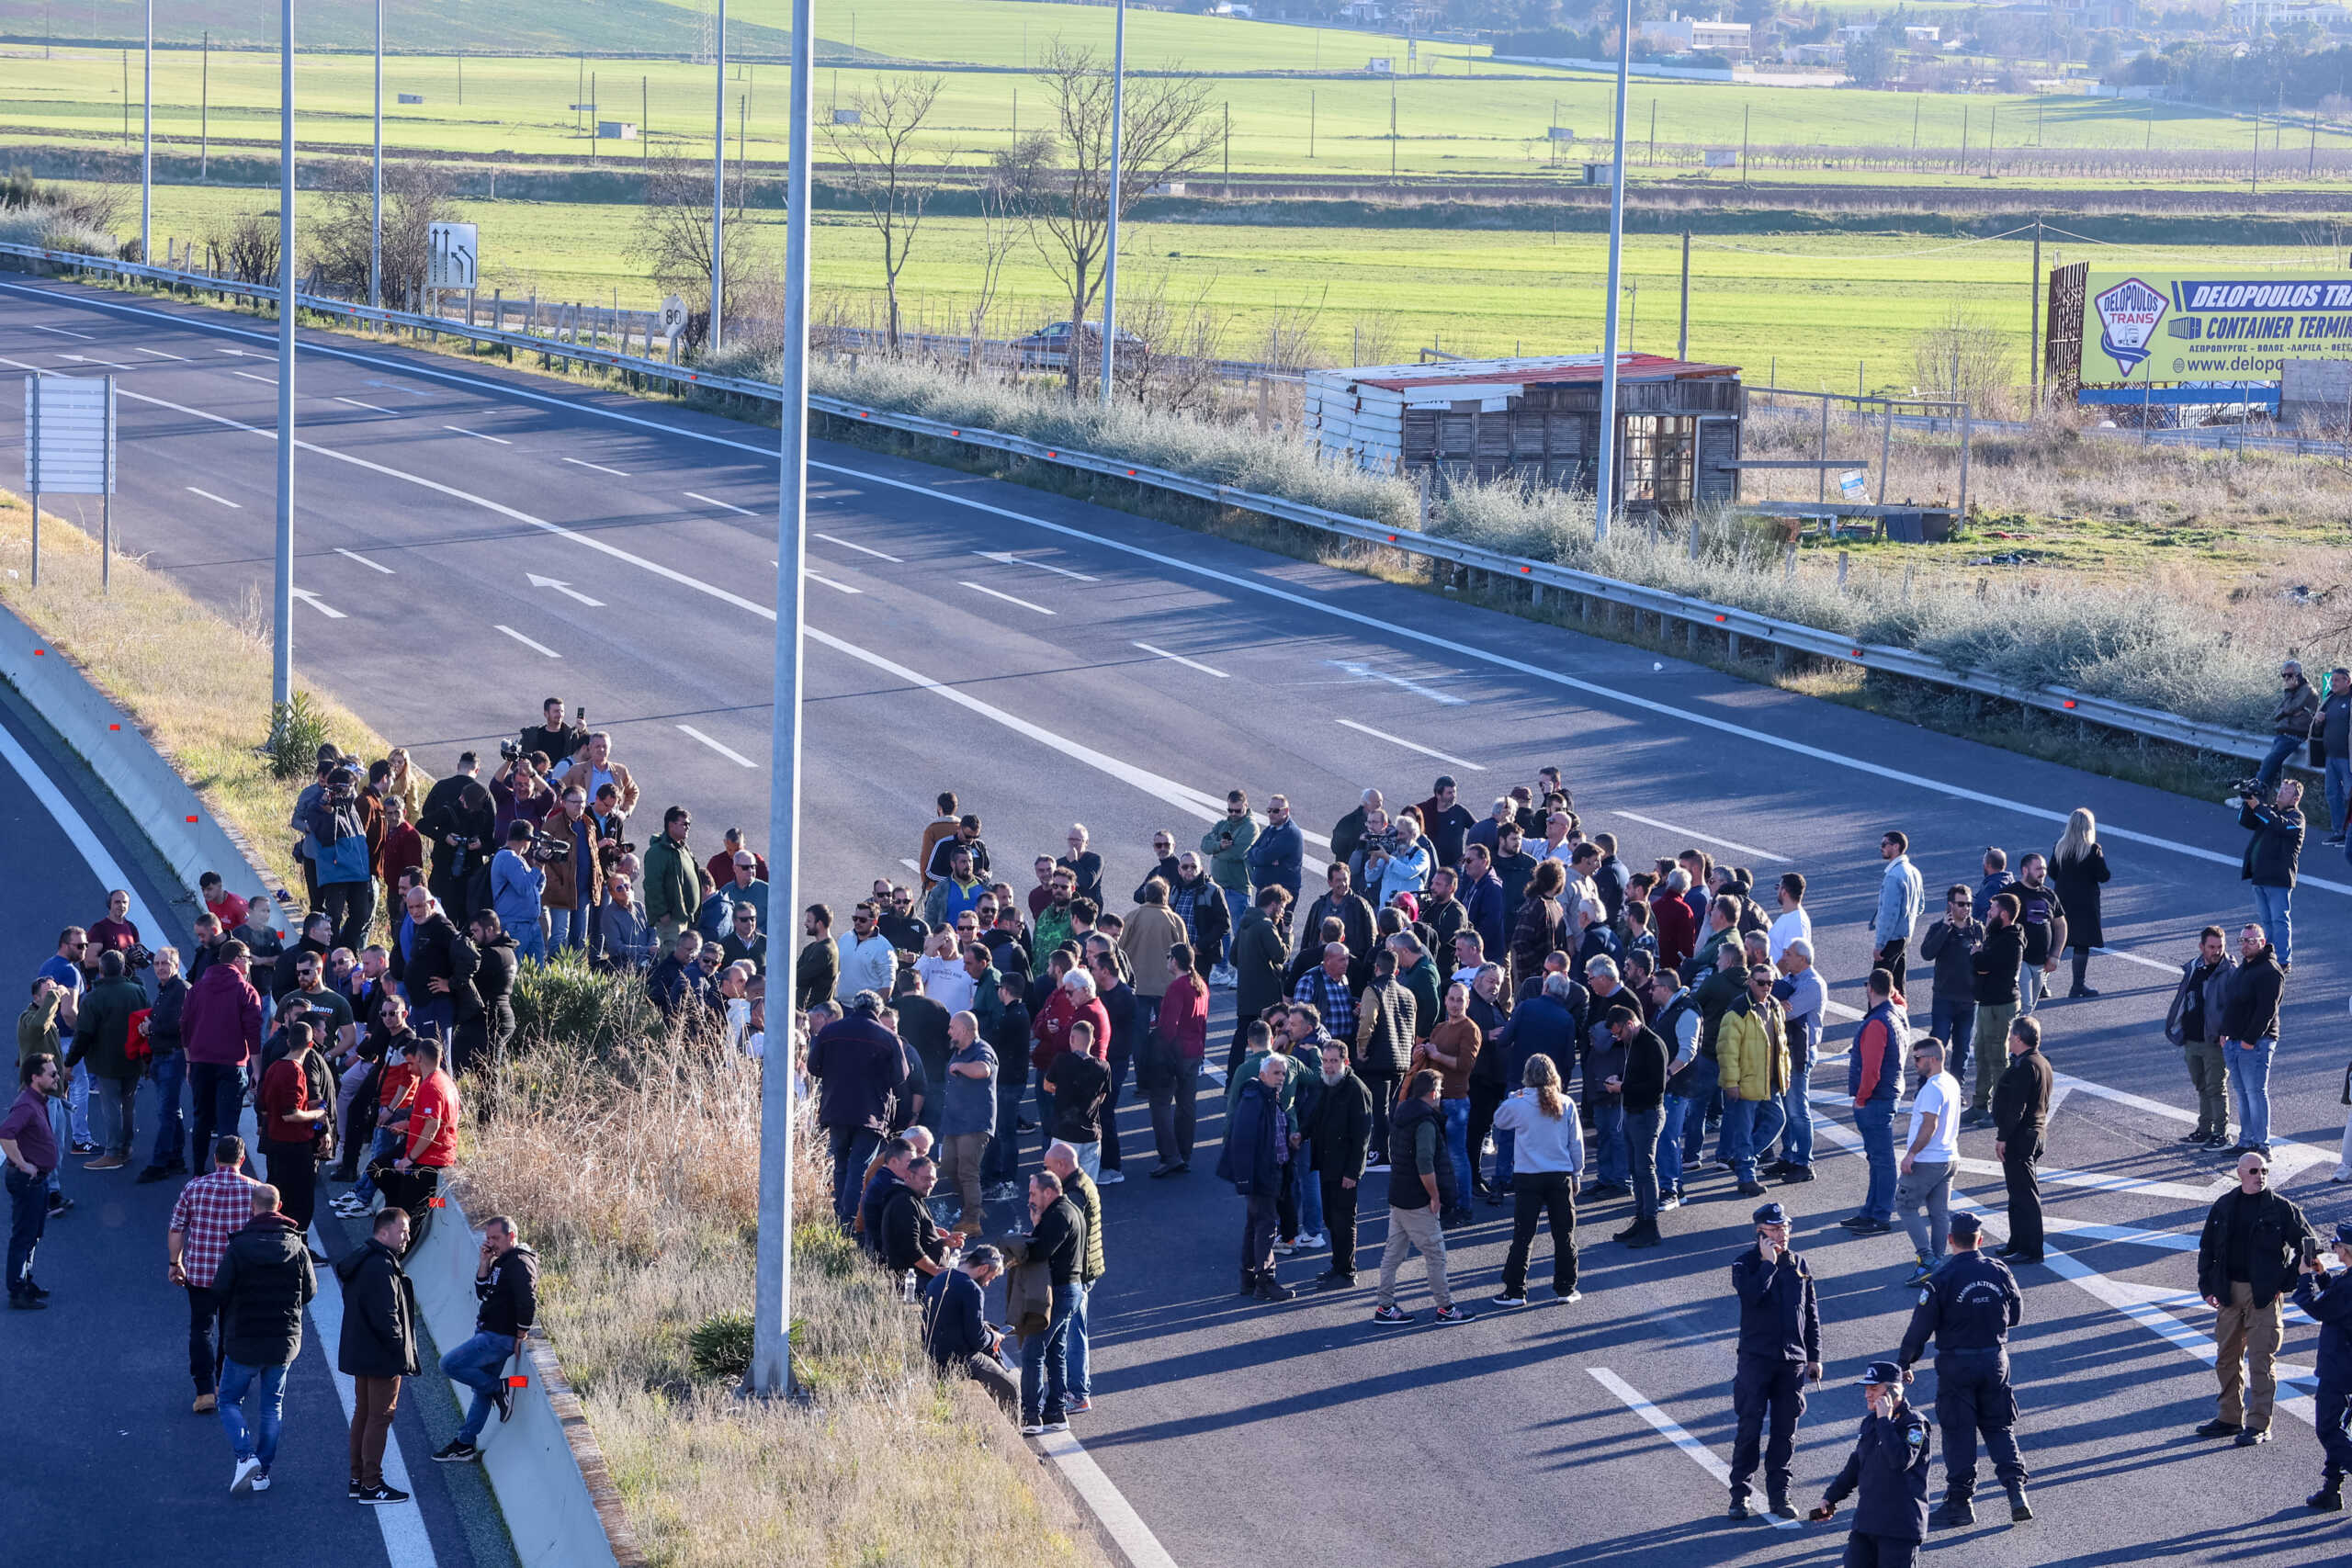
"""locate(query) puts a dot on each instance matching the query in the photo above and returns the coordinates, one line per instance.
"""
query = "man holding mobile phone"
(506, 1284)
(1780, 1352)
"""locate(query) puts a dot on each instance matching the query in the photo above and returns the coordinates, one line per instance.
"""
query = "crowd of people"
(1487, 1010)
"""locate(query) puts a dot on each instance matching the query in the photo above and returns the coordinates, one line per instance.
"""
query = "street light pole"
(281, 676)
(1110, 252)
(376, 210)
(718, 178)
(1605, 467)
(147, 146)
(771, 1370)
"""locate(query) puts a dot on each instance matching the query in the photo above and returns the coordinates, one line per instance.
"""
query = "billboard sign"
(2210, 326)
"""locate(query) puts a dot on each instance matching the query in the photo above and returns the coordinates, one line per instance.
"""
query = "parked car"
(1049, 347)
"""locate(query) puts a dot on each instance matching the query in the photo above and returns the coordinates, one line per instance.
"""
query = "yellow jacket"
(1752, 1049)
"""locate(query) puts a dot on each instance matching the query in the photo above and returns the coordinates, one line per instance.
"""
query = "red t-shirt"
(437, 1097)
(228, 909)
(393, 1087)
(285, 1089)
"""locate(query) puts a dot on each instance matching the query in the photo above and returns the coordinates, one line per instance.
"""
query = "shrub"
(720, 1346)
(297, 731)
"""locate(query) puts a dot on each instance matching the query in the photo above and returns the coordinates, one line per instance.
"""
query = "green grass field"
(1445, 123)
(1802, 310)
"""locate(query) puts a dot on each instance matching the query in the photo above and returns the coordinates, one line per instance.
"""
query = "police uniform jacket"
(1969, 1303)
(1890, 1465)
(1779, 1316)
(2329, 1298)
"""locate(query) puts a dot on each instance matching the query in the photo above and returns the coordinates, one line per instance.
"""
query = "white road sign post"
(455, 251)
(673, 322)
(69, 449)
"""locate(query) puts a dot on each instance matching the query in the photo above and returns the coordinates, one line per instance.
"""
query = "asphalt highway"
(1055, 662)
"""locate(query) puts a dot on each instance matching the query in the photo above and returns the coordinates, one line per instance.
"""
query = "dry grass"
(198, 685)
(632, 1165)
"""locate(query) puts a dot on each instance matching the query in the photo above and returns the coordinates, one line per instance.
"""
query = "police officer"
(2328, 1298)
(1780, 1351)
(1968, 1305)
(1890, 1464)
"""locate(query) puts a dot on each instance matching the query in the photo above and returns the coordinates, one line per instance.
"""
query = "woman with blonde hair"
(1547, 1155)
(2077, 867)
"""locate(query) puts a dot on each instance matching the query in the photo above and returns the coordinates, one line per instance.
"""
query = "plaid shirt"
(1333, 1002)
(211, 1209)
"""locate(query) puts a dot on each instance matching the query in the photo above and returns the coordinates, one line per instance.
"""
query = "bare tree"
(1000, 230)
(1290, 335)
(247, 245)
(416, 196)
(673, 234)
(1167, 136)
(1174, 363)
(1967, 357)
(879, 149)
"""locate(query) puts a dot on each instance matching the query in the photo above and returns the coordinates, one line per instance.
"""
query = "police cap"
(2344, 1233)
(1967, 1227)
(1880, 1373)
(1771, 1214)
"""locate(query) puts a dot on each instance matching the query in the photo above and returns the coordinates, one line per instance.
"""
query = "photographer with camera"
(116, 933)
(2328, 1298)
(551, 738)
(340, 860)
(519, 790)
(518, 881)
(2270, 859)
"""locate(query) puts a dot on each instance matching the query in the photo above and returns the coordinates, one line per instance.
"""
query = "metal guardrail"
(1732, 621)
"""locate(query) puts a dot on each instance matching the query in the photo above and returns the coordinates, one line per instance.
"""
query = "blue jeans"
(1706, 1079)
(2339, 790)
(77, 1099)
(1310, 1189)
(1457, 1143)
(1796, 1124)
(2274, 761)
(28, 1217)
(1608, 1141)
(1236, 904)
(2249, 1074)
(853, 1149)
(567, 928)
(1952, 1020)
(529, 942)
(479, 1363)
(1001, 1161)
(171, 1123)
(1749, 1125)
(387, 1146)
(237, 1380)
(1044, 1358)
(57, 1130)
(2271, 907)
(1669, 1144)
(1506, 1159)
(1641, 1132)
(1875, 1121)
(1077, 1374)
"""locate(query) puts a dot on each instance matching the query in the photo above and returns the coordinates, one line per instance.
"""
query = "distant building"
(1691, 35)
(2254, 15)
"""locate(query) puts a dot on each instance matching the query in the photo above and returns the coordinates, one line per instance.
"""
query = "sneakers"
(261, 1482)
(1332, 1280)
(242, 1478)
(1455, 1315)
(206, 1405)
(1315, 1242)
(2252, 1436)
(1272, 1289)
(1391, 1315)
(58, 1204)
(107, 1162)
(2199, 1136)
(456, 1451)
(1077, 1407)
(1740, 1510)
(1224, 976)
(1570, 1297)
(349, 1207)
(502, 1395)
(2218, 1427)
(1057, 1424)
(1032, 1426)
(380, 1495)
(2021, 1511)
(1863, 1226)
(1511, 1299)
(1110, 1178)
(81, 1146)
(1780, 1508)
(1751, 1190)
(2342, 1173)
(1284, 1248)
(1378, 1162)
(1921, 1272)
(1795, 1174)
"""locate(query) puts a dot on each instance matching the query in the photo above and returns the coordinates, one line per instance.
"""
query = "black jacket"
(1340, 1129)
(955, 1317)
(859, 1067)
(264, 1283)
(491, 987)
(1995, 962)
(2212, 988)
(2078, 883)
(1058, 1241)
(1780, 1316)
(909, 1232)
(2278, 1232)
(1404, 1166)
(1644, 1072)
(1251, 1158)
(510, 1297)
(2252, 1011)
(164, 1019)
(432, 956)
(1952, 948)
(2022, 1097)
(379, 1314)
(1969, 1303)
(2277, 842)
(1890, 1465)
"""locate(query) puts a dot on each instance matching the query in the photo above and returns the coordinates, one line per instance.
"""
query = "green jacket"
(103, 1025)
(1229, 867)
(1087, 1199)
(1252, 1065)
(669, 892)
(37, 1027)
(1421, 980)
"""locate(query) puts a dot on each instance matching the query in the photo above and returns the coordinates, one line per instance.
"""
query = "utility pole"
(719, 180)
(1310, 123)
(1963, 138)
(2033, 330)
(1682, 336)
(1743, 146)
(770, 1374)
(147, 145)
(204, 115)
(1392, 130)
(2253, 169)
(376, 192)
(1110, 252)
(1229, 140)
(1605, 455)
(281, 675)
(1653, 133)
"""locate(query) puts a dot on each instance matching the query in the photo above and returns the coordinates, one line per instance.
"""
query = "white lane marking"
(159, 354)
(88, 359)
(1118, 1517)
(2169, 1241)
(2094, 1181)
(1187, 663)
(477, 434)
(584, 463)
(1411, 745)
(1190, 568)
(2172, 969)
(527, 642)
(722, 505)
(862, 550)
(1006, 597)
(315, 602)
(363, 561)
(407, 1543)
(1702, 837)
(2287, 1156)
(729, 752)
(371, 408)
(231, 506)
(100, 860)
(563, 588)
(1006, 557)
(267, 380)
(1667, 1427)
(387, 386)
(909, 865)
(1363, 671)
(836, 587)
(61, 331)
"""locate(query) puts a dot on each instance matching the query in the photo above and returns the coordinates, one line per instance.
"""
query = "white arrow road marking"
(1006, 597)
(396, 387)
(1006, 557)
(727, 751)
(363, 561)
(85, 337)
(527, 642)
(582, 462)
(231, 506)
(722, 505)
(159, 354)
(862, 549)
(1702, 837)
(565, 589)
(1187, 663)
(320, 605)
(86, 359)
(1411, 745)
